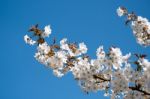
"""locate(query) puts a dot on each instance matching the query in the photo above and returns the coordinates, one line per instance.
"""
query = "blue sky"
(93, 21)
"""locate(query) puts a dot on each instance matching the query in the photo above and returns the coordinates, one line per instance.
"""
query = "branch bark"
(139, 90)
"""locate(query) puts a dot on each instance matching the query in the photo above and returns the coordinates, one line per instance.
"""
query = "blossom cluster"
(139, 25)
(111, 71)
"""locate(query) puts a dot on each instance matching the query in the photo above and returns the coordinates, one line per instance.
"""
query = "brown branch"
(139, 90)
(101, 78)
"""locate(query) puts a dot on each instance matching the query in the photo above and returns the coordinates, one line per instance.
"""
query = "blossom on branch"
(139, 25)
(111, 71)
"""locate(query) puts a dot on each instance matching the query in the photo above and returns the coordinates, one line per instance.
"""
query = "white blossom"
(100, 53)
(43, 48)
(145, 64)
(57, 73)
(28, 40)
(119, 82)
(120, 11)
(47, 31)
(63, 44)
(82, 48)
(62, 55)
(141, 30)
(117, 58)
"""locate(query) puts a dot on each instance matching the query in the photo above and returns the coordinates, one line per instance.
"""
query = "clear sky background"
(93, 21)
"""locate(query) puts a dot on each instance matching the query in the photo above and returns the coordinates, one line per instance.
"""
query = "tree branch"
(139, 90)
(101, 78)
